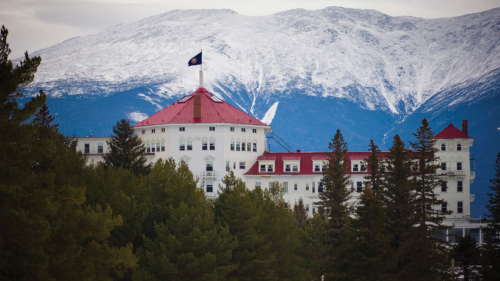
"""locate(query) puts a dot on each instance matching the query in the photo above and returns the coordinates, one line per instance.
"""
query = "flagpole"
(201, 70)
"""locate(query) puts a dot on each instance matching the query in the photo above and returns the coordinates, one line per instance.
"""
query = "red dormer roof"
(306, 162)
(451, 132)
(213, 110)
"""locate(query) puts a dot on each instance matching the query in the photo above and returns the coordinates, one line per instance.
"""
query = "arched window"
(238, 145)
(212, 144)
(153, 146)
(182, 144)
(189, 144)
(243, 145)
(254, 145)
(148, 147)
(162, 144)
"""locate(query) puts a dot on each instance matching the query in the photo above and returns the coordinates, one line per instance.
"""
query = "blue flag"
(195, 60)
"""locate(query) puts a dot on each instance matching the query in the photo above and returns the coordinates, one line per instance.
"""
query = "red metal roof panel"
(451, 132)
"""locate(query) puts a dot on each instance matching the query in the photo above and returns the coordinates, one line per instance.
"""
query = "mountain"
(307, 72)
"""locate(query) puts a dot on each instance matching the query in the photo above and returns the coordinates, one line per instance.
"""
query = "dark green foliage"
(466, 255)
(188, 244)
(374, 168)
(126, 150)
(300, 213)
(491, 261)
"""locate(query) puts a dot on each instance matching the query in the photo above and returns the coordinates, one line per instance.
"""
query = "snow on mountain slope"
(378, 61)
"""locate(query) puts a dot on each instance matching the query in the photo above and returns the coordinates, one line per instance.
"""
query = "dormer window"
(316, 168)
(295, 168)
(363, 167)
(270, 168)
(287, 168)
(443, 147)
(262, 168)
(355, 168)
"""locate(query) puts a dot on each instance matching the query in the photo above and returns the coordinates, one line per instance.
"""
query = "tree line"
(125, 220)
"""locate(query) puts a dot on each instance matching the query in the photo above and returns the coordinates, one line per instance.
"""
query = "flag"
(195, 60)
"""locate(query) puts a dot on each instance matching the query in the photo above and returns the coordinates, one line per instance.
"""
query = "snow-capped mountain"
(378, 61)
(306, 72)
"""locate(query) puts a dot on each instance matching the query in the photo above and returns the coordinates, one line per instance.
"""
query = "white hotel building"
(211, 137)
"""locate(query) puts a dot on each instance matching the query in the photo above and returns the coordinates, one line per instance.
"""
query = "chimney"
(465, 127)
(197, 106)
(90, 135)
(298, 150)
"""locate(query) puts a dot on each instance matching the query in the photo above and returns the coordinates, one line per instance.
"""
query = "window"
(227, 166)
(153, 147)
(270, 187)
(459, 146)
(232, 145)
(204, 145)
(242, 165)
(270, 168)
(316, 168)
(210, 166)
(143, 132)
(355, 168)
(460, 186)
(234, 165)
(249, 146)
(294, 186)
(285, 186)
(189, 145)
(237, 146)
(307, 186)
(314, 209)
(210, 187)
(243, 146)
(287, 168)
(87, 148)
(258, 184)
(158, 147)
(295, 168)
(444, 186)
(254, 147)
(359, 186)
(324, 167)
(459, 166)
(363, 167)
(99, 148)
(414, 166)
(182, 129)
(148, 148)
(212, 145)
(443, 147)
(153, 131)
(211, 128)
(307, 208)
(163, 130)
(460, 207)
(320, 187)
(254, 131)
(382, 167)
(231, 129)
(182, 145)
(162, 146)
(262, 168)
(286, 205)
(443, 166)
(313, 187)
(444, 207)
(243, 130)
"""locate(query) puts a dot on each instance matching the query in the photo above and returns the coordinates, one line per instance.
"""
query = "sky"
(37, 24)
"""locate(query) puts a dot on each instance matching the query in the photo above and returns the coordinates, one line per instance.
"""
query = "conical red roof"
(451, 132)
(213, 110)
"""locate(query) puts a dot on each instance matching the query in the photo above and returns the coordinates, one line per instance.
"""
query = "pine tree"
(491, 261)
(44, 121)
(126, 149)
(374, 167)
(399, 199)
(300, 213)
(334, 206)
(466, 255)
(429, 250)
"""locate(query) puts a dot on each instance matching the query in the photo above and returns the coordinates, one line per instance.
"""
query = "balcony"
(460, 174)
(472, 176)
(209, 175)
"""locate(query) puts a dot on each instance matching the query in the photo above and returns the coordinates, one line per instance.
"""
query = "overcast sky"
(36, 24)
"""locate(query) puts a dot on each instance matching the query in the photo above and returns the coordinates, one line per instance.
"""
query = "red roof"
(451, 132)
(213, 110)
(306, 162)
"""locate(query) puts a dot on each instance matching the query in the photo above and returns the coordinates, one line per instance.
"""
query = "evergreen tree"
(44, 121)
(300, 213)
(400, 201)
(189, 244)
(126, 149)
(430, 215)
(370, 249)
(335, 207)
(466, 255)
(491, 261)
(374, 168)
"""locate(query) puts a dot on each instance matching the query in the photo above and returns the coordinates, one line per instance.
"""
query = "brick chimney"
(465, 127)
(197, 106)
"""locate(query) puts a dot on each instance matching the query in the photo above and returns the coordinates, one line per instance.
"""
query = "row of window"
(460, 207)
(460, 186)
(188, 145)
(459, 166)
(243, 130)
(86, 148)
(295, 186)
(459, 146)
(155, 147)
(242, 165)
(243, 146)
(183, 129)
(362, 167)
